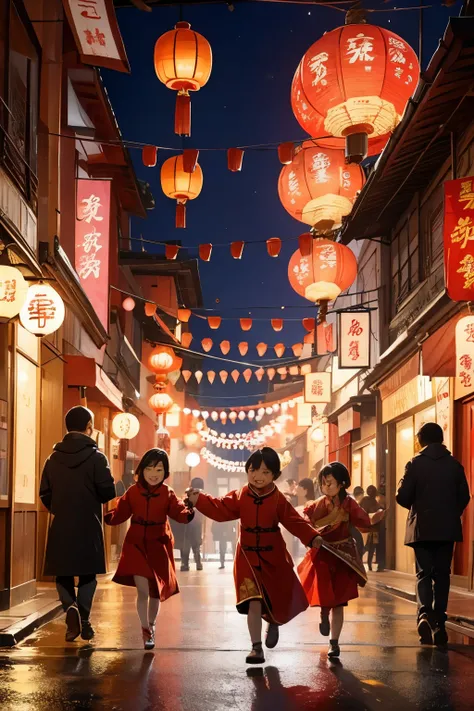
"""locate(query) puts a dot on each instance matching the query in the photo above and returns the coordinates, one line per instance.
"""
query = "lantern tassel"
(181, 215)
(182, 117)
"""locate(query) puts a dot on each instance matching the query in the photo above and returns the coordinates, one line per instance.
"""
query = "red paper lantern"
(186, 339)
(205, 251)
(237, 249)
(211, 376)
(354, 83)
(277, 324)
(190, 159)
(184, 315)
(171, 251)
(225, 347)
(259, 374)
(235, 375)
(309, 324)
(279, 349)
(246, 324)
(161, 403)
(214, 322)
(262, 349)
(181, 186)
(235, 159)
(247, 374)
(329, 270)
(274, 246)
(224, 375)
(183, 62)
(206, 344)
(304, 243)
(163, 359)
(286, 153)
(297, 349)
(149, 156)
(150, 309)
(271, 373)
(186, 375)
(243, 348)
(318, 188)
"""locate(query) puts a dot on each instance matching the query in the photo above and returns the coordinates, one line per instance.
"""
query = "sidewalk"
(461, 602)
(18, 622)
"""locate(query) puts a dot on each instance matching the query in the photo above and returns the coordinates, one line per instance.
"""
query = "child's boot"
(272, 636)
(256, 656)
(148, 638)
(334, 649)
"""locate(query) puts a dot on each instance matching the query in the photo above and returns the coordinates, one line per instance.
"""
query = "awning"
(439, 351)
(81, 371)
(403, 375)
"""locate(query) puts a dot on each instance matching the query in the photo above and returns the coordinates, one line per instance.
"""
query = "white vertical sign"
(354, 339)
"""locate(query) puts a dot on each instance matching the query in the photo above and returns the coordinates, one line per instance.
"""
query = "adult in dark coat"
(436, 492)
(192, 535)
(224, 533)
(76, 481)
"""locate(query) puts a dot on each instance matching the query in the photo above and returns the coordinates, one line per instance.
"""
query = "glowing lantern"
(232, 416)
(235, 375)
(279, 349)
(271, 374)
(43, 311)
(171, 251)
(262, 349)
(211, 376)
(259, 374)
(237, 249)
(304, 243)
(180, 186)
(183, 62)
(235, 159)
(160, 403)
(149, 156)
(354, 83)
(247, 375)
(198, 375)
(205, 252)
(225, 347)
(242, 417)
(297, 349)
(186, 339)
(318, 188)
(164, 360)
(125, 425)
(193, 460)
(214, 416)
(243, 348)
(274, 246)
(150, 309)
(321, 277)
(277, 324)
(13, 291)
(214, 322)
(186, 375)
(309, 323)
(128, 304)
(246, 324)
(317, 435)
(190, 439)
(251, 415)
(206, 344)
(224, 375)
(184, 315)
(223, 416)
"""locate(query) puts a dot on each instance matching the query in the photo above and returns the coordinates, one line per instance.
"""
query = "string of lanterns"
(226, 465)
(249, 440)
(247, 374)
(247, 412)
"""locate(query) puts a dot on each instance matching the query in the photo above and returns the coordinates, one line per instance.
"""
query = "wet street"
(199, 662)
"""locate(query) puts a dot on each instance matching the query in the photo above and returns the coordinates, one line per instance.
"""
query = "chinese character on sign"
(91, 208)
(355, 328)
(470, 333)
(466, 267)
(317, 388)
(466, 361)
(358, 48)
(396, 51)
(318, 68)
(91, 241)
(8, 290)
(293, 186)
(320, 165)
(88, 265)
(467, 195)
(354, 350)
(301, 270)
(124, 427)
(465, 379)
(41, 309)
(95, 38)
(346, 179)
(463, 232)
(398, 72)
(327, 256)
(89, 6)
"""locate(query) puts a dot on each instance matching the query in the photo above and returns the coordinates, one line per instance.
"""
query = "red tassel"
(149, 156)
(305, 242)
(190, 159)
(182, 117)
(235, 159)
(180, 215)
(205, 251)
(286, 153)
(171, 251)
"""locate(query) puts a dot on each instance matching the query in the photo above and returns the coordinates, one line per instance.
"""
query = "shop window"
(405, 262)
(19, 87)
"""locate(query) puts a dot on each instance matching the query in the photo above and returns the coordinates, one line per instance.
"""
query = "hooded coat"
(436, 492)
(76, 481)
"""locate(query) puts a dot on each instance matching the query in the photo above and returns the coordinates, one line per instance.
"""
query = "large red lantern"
(318, 188)
(161, 402)
(181, 186)
(354, 83)
(164, 360)
(330, 269)
(183, 62)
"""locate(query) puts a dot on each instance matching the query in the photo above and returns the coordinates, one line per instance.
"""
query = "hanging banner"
(92, 243)
(317, 387)
(354, 339)
(325, 338)
(459, 238)
(97, 34)
(464, 337)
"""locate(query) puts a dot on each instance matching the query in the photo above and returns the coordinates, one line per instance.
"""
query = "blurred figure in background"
(358, 495)
(192, 535)
(306, 490)
(370, 505)
(291, 492)
(224, 533)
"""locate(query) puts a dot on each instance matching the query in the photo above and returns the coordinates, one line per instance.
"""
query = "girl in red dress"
(147, 561)
(330, 575)
(265, 582)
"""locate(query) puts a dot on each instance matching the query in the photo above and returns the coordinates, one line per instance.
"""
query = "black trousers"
(223, 550)
(433, 570)
(185, 551)
(85, 593)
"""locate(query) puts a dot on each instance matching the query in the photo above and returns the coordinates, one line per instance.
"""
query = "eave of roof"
(421, 143)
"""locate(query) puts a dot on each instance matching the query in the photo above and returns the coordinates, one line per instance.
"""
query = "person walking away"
(358, 495)
(435, 491)
(192, 535)
(147, 561)
(223, 533)
(75, 482)
(371, 505)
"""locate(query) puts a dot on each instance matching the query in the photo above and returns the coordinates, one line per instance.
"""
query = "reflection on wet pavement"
(199, 662)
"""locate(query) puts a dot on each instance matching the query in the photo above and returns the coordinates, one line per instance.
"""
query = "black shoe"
(87, 632)
(334, 649)
(424, 630)
(272, 636)
(324, 626)
(221, 567)
(198, 567)
(73, 622)
(440, 636)
(184, 568)
(256, 656)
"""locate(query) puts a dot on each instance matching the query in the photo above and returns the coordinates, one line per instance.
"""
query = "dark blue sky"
(247, 101)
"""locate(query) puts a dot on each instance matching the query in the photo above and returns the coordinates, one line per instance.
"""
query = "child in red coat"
(147, 560)
(265, 582)
(331, 574)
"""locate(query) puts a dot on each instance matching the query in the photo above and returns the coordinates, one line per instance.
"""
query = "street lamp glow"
(193, 460)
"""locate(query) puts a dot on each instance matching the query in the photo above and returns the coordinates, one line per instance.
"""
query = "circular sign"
(13, 291)
(43, 311)
(125, 425)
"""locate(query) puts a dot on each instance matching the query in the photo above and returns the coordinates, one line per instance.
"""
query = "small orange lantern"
(171, 251)
(183, 62)
(259, 374)
(235, 159)
(207, 344)
(128, 304)
(184, 315)
(205, 251)
(186, 375)
(163, 360)
(235, 375)
(277, 324)
(246, 324)
(223, 375)
(247, 375)
(237, 249)
(297, 349)
(279, 349)
(181, 186)
(211, 376)
(309, 324)
(225, 347)
(243, 348)
(150, 309)
(274, 246)
(271, 373)
(286, 153)
(149, 156)
(262, 349)
(214, 322)
(186, 339)
(304, 243)
(161, 403)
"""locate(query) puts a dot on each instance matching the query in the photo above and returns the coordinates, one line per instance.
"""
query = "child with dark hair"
(147, 560)
(265, 582)
(330, 575)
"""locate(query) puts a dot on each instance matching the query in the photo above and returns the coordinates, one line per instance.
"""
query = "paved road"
(199, 663)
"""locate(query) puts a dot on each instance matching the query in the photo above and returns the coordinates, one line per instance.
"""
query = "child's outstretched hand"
(317, 542)
(192, 496)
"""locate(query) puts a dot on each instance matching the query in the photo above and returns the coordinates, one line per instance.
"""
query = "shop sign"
(354, 339)
(464, 339)
(304, 414)
(317, 387)
(345, 421)
(92, 243)
(444, 410)
(459, 238)
(25, 431)
(410, 395)
(43, 311)
(97, 33)
(13, 290)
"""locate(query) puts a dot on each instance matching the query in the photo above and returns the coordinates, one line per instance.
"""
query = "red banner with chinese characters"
(354, 339)
(97, 33)
(92, 243)
(459, 238)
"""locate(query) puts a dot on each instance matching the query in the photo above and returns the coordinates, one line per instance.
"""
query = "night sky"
(256, 50)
